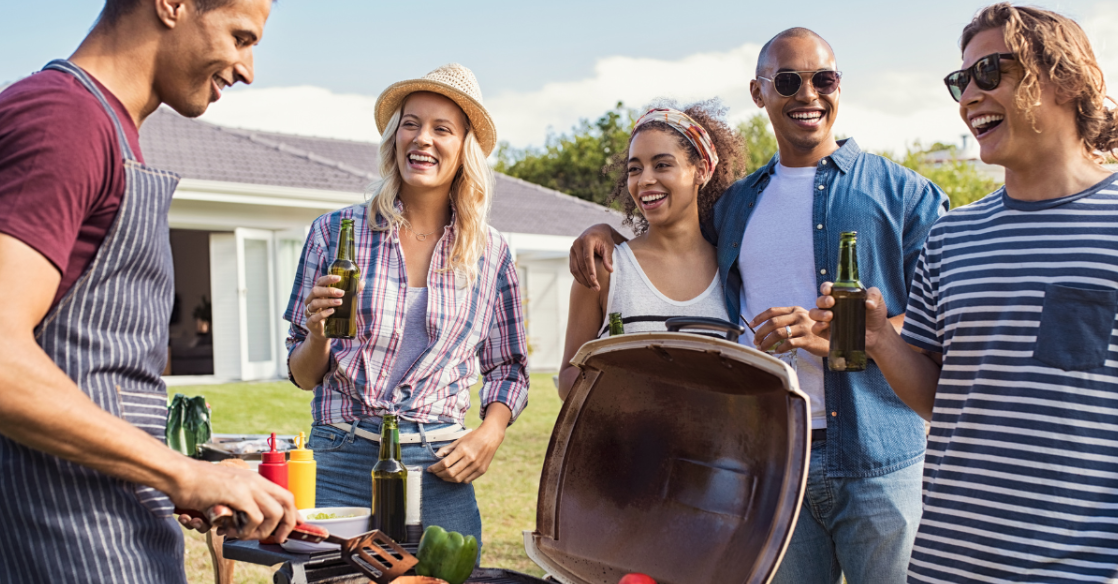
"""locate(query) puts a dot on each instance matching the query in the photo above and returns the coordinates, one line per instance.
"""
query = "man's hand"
(791, 327)
(598, 240)
(467, 458)
(268, 507)
(877, 317)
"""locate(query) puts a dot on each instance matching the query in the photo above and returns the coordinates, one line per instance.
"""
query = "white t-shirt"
(777, 265)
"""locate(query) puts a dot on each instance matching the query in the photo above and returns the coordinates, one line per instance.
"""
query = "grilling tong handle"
(731, 330)
(222, 516)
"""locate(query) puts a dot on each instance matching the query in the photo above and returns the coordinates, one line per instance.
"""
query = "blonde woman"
(440, 297)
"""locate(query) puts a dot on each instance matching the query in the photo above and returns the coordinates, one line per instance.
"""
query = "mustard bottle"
(301, 472)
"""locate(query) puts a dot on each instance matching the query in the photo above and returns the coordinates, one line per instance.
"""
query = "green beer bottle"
(848, 328)
(390, 481)
(616, 327)
(342, 324)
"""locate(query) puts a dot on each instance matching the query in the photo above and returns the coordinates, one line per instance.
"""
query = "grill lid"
(676, 455)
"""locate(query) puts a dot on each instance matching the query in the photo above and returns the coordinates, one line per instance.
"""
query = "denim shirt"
(870, 432)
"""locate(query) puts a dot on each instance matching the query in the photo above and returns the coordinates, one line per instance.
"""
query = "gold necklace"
(420, 236)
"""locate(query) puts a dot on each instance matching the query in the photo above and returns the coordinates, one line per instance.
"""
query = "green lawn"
(506, 494)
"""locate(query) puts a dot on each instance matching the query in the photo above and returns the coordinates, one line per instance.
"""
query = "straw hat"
(453, 81)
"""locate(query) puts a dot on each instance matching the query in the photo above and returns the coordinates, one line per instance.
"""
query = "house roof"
(200, 150)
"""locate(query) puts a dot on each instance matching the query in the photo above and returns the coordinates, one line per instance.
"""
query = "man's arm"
(912, 373)
(40, 407)
(598, 240)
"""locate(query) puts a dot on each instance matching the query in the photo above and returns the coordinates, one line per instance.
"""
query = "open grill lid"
(676, 455)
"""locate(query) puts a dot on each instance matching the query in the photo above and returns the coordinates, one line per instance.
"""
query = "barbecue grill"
(677, 455)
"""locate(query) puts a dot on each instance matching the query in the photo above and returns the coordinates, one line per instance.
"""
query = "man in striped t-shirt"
(1012, 315)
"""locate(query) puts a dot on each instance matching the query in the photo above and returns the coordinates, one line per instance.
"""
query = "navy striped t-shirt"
(1021, 473)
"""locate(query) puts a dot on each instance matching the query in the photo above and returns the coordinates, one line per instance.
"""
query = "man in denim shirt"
(777, 234)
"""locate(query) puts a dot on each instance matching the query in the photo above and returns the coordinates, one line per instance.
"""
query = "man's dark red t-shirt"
(61, 169)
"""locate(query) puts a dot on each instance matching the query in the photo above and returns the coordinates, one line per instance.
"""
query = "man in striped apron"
(86, 486)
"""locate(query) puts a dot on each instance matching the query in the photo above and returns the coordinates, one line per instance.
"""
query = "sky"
(543, 66)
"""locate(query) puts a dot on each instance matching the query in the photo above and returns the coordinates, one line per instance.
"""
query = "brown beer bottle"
(848, 328)
(342, 324)
(390, 483)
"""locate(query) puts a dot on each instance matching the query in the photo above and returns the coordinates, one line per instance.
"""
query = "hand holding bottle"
(322, 301)
(878, 322)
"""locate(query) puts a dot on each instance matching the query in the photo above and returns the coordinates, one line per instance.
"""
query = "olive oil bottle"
(342, 324)
(390, 481)
(848, 328)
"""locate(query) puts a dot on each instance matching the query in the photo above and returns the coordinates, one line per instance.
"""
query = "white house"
(242, 211)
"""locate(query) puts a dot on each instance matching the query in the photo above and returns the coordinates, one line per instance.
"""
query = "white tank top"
(643, 308)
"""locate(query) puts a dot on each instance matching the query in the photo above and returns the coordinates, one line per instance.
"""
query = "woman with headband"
(440, 304)
(678, 164)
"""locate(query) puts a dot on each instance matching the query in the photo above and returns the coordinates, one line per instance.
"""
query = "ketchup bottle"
(274, 465)
(274, 468)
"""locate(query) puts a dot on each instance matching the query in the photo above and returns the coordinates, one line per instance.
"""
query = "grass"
(506, 494)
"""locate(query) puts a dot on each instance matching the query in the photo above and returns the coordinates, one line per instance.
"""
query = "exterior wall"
(228, 209)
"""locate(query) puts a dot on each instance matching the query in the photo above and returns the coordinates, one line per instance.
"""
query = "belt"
(817, 435)
(448, 434)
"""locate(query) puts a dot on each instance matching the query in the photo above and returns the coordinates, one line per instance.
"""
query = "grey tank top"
(415, 339)
(643, 308)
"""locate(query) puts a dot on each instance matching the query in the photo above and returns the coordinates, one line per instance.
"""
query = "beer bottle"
(848, 328)
(342, 324)
(390, 479)
(616, 327)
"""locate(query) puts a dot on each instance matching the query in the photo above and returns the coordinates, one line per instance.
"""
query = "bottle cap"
(301, 453)
(273, 456)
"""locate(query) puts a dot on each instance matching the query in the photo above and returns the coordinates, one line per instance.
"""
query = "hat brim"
(393, 97)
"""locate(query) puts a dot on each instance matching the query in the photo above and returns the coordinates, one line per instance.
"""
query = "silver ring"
(788, 330)
(308, 312)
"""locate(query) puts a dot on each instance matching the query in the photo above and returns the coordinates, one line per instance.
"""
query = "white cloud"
(883, 109)
(307, 110)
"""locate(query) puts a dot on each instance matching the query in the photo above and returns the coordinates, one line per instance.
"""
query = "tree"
(962, 182)
(759, 139)
(575, 163)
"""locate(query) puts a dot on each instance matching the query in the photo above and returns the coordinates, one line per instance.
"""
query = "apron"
(64, 522)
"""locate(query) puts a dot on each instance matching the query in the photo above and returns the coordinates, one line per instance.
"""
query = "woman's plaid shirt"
(480, 325)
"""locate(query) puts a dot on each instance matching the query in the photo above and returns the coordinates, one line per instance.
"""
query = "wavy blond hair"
(471, 193)
(1053, 48)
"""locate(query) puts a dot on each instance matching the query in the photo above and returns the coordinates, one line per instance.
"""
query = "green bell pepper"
(446, 555)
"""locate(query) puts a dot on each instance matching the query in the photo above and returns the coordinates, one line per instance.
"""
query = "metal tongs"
(374, 554)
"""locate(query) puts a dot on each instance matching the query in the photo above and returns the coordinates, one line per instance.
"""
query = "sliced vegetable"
(636, 578)
(446, 555)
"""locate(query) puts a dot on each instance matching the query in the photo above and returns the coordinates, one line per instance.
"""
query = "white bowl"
(342, 527)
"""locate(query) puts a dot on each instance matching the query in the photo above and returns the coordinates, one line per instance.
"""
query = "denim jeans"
(345, 464)
(862, 528)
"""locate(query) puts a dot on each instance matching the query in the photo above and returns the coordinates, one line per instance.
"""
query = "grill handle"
(731, 330)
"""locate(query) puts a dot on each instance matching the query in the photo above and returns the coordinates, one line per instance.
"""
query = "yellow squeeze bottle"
(301, 472)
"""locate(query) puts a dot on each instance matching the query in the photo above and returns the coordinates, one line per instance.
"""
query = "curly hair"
(732, 155)
(1053, 47)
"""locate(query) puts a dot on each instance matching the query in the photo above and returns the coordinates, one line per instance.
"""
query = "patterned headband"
(689, 128)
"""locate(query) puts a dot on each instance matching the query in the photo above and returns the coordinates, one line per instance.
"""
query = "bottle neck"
(345, 243)
(389, 440)
(848, 264)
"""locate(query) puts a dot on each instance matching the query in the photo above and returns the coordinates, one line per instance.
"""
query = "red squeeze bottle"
(274, 465)
(274, 468)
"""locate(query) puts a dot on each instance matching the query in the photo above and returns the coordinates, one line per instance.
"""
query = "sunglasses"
(787, 83)
(986, 72)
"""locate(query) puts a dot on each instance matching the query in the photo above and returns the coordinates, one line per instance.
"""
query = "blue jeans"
(345, 464)
(862, 528)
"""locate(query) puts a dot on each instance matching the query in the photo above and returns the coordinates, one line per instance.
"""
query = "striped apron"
(67, 523)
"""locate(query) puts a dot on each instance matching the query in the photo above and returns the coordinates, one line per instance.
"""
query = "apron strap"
(83, 77)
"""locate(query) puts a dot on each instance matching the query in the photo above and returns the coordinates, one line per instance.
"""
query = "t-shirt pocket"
(1075, 327)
